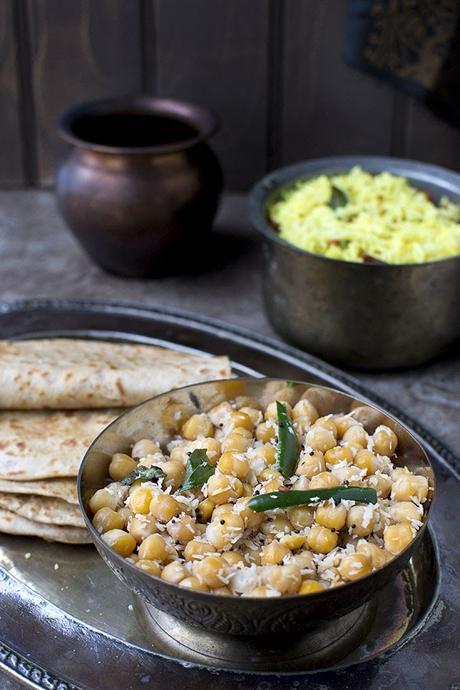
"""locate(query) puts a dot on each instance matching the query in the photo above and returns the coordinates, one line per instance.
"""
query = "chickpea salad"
(256, 502)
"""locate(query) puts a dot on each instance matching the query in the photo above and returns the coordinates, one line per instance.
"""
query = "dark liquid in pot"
(132, 130)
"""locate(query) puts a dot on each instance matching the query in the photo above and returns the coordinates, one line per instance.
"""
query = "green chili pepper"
(288, 444)
(286, 499)
(197, 471)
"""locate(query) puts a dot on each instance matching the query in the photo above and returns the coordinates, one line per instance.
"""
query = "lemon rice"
(377, 217)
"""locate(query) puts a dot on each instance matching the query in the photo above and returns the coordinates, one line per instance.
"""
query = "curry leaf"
(197, 471)
(149, 474)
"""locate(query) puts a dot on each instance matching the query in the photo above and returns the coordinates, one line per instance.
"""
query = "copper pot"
(140, 186)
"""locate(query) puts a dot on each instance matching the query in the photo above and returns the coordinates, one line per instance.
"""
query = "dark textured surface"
(39, 258)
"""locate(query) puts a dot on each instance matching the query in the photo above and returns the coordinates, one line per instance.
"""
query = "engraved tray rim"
(36, 676)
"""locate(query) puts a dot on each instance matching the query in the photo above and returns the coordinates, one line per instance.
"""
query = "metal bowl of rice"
(369, 300)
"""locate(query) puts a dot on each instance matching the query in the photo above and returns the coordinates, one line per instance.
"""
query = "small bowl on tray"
(365, 315)
(232, 614)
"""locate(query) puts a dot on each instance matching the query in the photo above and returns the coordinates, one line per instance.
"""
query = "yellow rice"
(384, 218)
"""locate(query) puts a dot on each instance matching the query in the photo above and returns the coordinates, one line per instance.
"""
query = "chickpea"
(174, 471)
(265, 432)
(271, 412)
(164, 507)
(211, 571)
(233, 558)
(242, 401)
(332, 516)
(125, 514)
(324, 480)
(107, 519)
(381, 484)
(409, 486)
(174, 572)
(270, 473)
(141, 527)
(302, 425)
(236, 443)
(219, 414)
(110, 497)
(225, 531)
(151, 567)
(182, 528)
(234, 464)
(301, 517)
(304, 408)
(153, 548)
(354, 566)
(400, 472)
(222, 488)
(301, 484)
(274, 553)
(210, 445)
(197, 548)
(275, 525)
(327, 423)
(356, 435)
(359, 522)
(310, 464)
(251, 519)
(239, 419)
(197, 425)
(284, 578)
(222, 591)
(404, 511)
(271, 485)
(397, 537)
(321, 539)
(179, 453)
(385, 440)
(311, 587)
(173, 416)
(193, 583)
(253, 413)
(293, 541)
(120, 541)
(120, 466)
(349, 474)
(221, 510)
(144, 447)
(204, 510)
(374, 553)
(304, 560)
(338, 454)
(366, 460)
(140, 499)
(343, 423)
(320, 438)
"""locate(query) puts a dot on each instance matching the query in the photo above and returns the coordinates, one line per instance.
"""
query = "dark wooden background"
(271, 68)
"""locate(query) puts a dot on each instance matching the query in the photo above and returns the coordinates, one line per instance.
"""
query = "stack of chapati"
(56, 395)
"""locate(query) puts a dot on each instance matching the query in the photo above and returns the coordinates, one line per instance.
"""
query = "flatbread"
(62, 373)
(15, 524)
(65, 489)
(51, 511)
(42, 445)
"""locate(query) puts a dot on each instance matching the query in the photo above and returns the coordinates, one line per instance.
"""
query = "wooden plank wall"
(272, 69)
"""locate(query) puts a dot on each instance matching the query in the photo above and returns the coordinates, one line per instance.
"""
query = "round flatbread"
(11, 523)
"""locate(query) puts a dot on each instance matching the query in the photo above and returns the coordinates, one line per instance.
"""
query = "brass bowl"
(240, 615)
(364, 315)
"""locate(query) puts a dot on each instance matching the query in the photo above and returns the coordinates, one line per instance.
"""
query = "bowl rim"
(204, 120)
(97, 538)
(310, 168)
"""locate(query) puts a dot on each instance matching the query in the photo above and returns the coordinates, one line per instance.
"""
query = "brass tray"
(77, 626)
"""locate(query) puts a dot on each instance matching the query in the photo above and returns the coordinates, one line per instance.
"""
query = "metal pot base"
(383, 625)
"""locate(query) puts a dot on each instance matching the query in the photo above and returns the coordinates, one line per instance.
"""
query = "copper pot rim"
(284, 177)
(204, 120)
(210, 596)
